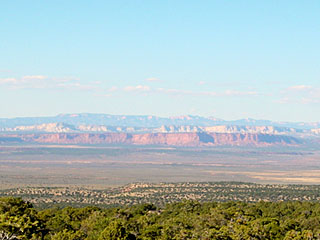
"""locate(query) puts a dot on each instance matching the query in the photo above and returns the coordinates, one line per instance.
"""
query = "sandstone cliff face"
(48, 127)
(68, 128)
(77, 138)
(171, 139)
(177, 139)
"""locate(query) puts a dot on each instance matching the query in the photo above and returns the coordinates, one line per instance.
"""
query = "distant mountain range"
(68, 128)
(144, 121)
(151, 130)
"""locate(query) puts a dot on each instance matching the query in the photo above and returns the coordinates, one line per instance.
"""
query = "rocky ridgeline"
(131, 130)
(170, 139)
(68, 128)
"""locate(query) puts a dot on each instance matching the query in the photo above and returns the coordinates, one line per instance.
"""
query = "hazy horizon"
(169, 116)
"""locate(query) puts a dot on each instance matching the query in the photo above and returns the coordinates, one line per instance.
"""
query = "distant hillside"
(144, 121)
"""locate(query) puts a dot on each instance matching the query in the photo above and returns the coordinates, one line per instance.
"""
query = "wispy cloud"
(144, 89)
(78, 86)
(67, 79)
(153, 79)
(173, 91)
(138, 88)
(240, 93)
(34, 81)
(310, 100)
(299, 88)
(74, 84)
(300, 94)
(5, 71)
(4, 81)
(45, 82)
(34, 77)
(230, 93)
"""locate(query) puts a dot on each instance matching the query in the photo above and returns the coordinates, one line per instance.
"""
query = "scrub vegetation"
(181, 220)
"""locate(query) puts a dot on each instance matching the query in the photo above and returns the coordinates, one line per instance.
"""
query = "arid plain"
(97, 166)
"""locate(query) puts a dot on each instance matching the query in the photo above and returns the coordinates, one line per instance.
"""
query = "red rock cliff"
(173, 139)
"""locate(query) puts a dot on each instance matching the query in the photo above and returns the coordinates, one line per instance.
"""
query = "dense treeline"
(184, 220)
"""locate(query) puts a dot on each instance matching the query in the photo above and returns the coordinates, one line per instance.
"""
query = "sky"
(227, 59)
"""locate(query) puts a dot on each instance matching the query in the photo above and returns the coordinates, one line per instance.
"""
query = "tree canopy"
(181, 220)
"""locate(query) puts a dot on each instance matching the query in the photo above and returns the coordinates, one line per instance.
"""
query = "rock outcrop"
(170, 139)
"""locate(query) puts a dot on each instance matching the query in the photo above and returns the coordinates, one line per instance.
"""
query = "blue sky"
(228, 59)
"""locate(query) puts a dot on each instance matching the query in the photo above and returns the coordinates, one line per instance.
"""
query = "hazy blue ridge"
(144, 121)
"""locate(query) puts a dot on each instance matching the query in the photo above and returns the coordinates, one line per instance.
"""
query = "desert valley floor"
(103, 166)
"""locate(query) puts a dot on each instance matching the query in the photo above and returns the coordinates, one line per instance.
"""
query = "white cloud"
(24, 82)
(205, 93)
(300, 87)
(42, 82)
(174, 91)
(153, 79)
(300, 94)
(138, 88)
(66, 79)
(8, 81)
(239, 93)
(77, 86)
(309, 100)
(34, 77)
(180, 92)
